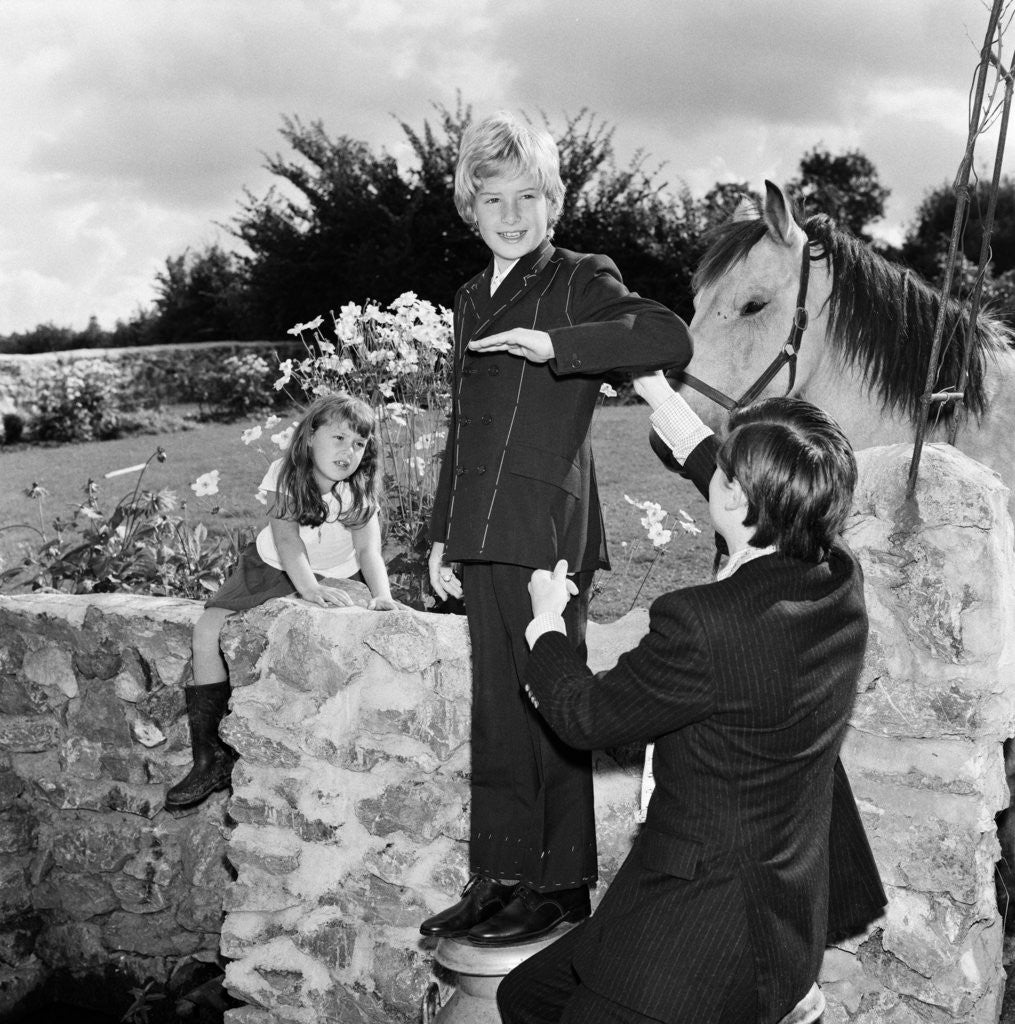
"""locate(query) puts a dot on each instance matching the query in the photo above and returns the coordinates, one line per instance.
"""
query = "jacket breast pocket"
(669, 855)
(547, 467)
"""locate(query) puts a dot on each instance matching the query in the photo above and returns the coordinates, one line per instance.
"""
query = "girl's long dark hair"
(298, 496)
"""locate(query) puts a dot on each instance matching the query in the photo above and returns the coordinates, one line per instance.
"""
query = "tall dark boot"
(213, 760)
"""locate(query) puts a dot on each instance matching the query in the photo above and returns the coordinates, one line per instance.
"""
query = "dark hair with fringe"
(298, 496)
(797, 471)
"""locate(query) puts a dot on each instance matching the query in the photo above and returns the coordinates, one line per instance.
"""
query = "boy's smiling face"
(512, 215)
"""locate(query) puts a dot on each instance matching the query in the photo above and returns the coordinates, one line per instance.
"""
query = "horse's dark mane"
(881, 315)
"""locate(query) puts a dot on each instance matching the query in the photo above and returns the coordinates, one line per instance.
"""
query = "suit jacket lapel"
(523, 276)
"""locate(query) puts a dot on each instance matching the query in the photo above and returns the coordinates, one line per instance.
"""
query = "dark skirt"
(253, 582)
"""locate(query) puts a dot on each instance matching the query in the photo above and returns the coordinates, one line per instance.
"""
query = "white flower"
(206, 484)
(608, 391)
(311, 325)
(658, 535)
(687, 524)
(271, 421)
(283, 438)
(287, 372)
(250, 435)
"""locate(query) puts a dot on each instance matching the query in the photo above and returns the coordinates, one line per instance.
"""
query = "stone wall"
(936, 701)
(350, 796)
(94, 874)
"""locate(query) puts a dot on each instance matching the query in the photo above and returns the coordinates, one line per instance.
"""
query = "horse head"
(865, 353)
(746, 290)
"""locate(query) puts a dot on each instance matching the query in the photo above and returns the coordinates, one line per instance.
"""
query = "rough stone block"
(15, 892)
(271, 849)
(148, 934)
(83, 843)
(17, 830)
(141, 895)
(163, 705)
(51, 667)
(98, 657)
(17, 940)
(200, 910)
(68, 793)
(28, 733)
(11, 787)
(99, 716)
(78, 896)
(328, 938)
(81, 757)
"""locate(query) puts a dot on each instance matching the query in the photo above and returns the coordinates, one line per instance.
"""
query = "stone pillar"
(924, 752)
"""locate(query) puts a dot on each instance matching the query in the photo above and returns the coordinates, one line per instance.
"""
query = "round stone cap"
(464, 957)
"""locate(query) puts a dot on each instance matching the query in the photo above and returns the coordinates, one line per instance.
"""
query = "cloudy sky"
(130, 128)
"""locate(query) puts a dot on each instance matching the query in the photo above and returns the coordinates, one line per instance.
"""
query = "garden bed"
(624, 462)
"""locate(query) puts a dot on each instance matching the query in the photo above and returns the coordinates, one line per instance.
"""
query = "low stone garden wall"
(348, 818)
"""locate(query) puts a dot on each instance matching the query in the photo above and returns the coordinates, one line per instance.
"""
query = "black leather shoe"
(531, 914)
(481, 898)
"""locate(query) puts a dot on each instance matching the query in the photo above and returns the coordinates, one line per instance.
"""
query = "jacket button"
(461, 471)
(494, 371)
(481, 469)
(465, 421)
(575, 363)
(487, 420)
(467, 371)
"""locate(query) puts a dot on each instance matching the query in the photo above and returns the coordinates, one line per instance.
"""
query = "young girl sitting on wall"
(323, 501)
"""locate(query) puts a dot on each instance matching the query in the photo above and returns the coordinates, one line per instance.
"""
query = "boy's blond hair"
(501, 144)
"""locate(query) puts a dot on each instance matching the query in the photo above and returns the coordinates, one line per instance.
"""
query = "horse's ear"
(778, 215)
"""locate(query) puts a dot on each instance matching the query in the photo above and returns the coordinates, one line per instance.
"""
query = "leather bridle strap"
(787, 354)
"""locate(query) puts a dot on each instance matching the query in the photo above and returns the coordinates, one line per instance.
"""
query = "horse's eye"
(753, 307)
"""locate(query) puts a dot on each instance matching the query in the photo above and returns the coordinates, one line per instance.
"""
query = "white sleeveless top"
(329, 546)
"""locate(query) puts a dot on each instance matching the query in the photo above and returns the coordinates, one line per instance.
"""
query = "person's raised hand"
(549, 591)
(654, 388)
(535, 346)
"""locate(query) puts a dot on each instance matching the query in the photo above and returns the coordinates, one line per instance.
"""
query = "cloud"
(132, 127)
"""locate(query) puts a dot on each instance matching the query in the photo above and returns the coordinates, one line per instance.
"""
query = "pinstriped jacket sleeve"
(665, 683)
(612, 329)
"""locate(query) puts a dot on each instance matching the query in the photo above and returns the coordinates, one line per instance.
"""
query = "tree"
(928, 239)
(846, 187)
(200, 297)
(352, 226)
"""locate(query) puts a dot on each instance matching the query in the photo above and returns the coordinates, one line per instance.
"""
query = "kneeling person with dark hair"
(745, 685)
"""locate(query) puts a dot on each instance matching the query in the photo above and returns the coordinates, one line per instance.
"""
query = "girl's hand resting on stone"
(327, 597)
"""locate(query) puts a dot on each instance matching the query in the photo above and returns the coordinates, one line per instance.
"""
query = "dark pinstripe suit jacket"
(746, 686)
(517, 482)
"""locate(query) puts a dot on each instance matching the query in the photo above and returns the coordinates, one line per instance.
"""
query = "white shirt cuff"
(679, 426)
(545, 623)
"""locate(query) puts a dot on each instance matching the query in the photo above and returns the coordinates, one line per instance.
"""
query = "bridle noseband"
(787, 354)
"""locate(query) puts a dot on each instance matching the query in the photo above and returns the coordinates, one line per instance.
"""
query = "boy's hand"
(383, 604)
(535, 346)
(444, 582)
(549, 592)
(327, 596)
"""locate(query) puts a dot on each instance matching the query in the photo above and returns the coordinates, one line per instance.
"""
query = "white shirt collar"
(742, 557)
(499, 275)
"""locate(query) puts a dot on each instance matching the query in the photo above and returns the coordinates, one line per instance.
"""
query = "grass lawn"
(625, 465)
